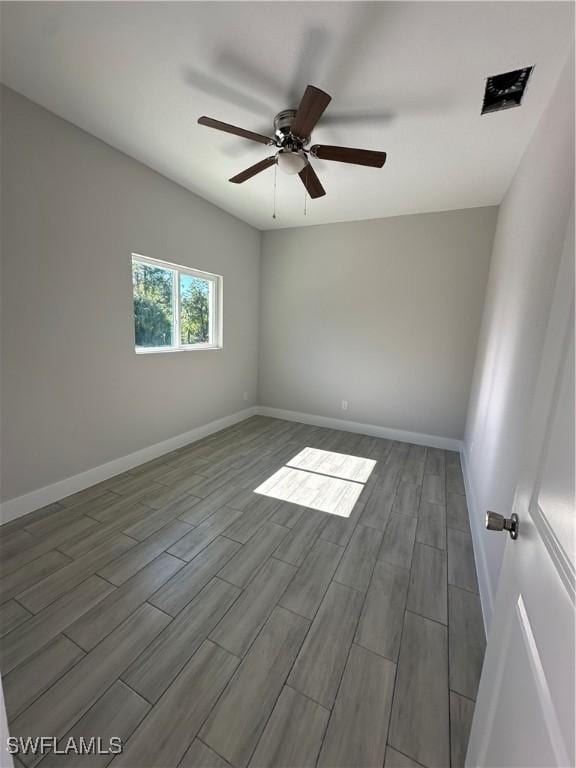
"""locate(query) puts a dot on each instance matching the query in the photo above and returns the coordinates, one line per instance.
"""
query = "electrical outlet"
(344, 405)
(245, 395)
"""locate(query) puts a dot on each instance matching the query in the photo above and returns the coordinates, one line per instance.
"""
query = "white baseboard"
(430, 441)
(22, 505)
(476, 517)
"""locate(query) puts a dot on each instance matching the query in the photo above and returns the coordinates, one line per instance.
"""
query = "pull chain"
(306, 191)
(275, 178)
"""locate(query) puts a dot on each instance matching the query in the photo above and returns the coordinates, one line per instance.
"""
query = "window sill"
(164, 350)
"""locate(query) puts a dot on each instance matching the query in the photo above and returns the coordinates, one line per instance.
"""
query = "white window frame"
(215, 303)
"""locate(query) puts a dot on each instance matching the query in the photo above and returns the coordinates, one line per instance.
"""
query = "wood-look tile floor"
(209, 626)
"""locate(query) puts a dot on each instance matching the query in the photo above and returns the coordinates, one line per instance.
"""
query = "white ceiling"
(138, 75)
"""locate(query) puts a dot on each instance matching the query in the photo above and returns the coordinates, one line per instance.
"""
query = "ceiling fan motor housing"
(282, 130)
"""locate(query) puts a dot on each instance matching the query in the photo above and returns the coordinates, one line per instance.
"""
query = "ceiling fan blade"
(311, 182)
(312, 105)
(349, 155)
(253, 170)
(227, 128)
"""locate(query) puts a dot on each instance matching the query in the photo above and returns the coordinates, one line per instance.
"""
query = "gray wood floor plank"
(128, 485)
(301, 538)
(461, 713)
(201, 756)
(209, 504)
(12, 614)
(88, 494)
(467, 641)
(239, 718)
(93, 506)
(433, 489)
(163, 739)
(83, 543)
(319, 665)
(19, 560)
(58, 708)
(244, 498)
(358, 726)
(19, 523)
(128, 564)
(452, 458)
(158, 665)
(407, 499)
(253, 516)
(109, 613)
(156, 520)
(30, 679)
(181, 477)
(461, 566)
(380, 626)
(306, 590)
(431, 528)
(457, 512)
(395, 759)
(338, 530)
(398, 542)
(242, 623)
(414, 465)
(44, 626)
(30, 574)
(199, 538)
(293, 734)
(419, 726)
(427, 593)
(12, 543)
(208, 485)
(377, 508)
(63, 580)
(241, 568)
(164, 497)
(115, 510)
(287, 514)
(435, 462)
(183, 588)
(357, 564)
(116, 714)
(55, 522)
(454, 478)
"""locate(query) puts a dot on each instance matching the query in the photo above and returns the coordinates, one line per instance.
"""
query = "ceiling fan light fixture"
(292, 162)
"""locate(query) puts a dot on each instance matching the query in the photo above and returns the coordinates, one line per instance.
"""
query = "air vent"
(505, 90)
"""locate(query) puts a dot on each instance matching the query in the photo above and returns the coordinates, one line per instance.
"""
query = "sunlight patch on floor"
(334, 464)
(323, 480)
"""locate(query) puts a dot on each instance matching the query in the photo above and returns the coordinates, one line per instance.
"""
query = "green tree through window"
(153, 310)
(194, 310)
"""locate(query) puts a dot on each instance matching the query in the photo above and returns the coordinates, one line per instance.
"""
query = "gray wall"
(74, 393)
(382, 313)
(528, 244)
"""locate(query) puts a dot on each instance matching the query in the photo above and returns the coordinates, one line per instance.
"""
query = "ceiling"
(405, 77)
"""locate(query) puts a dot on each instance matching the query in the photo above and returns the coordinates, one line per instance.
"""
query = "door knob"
(496, 522)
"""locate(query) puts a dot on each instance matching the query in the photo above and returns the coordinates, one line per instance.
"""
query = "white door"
(525, 711)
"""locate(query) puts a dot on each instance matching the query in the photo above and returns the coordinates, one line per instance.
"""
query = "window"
(175, 308)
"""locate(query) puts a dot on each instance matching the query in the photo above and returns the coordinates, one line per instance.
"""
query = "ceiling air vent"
(505, 90)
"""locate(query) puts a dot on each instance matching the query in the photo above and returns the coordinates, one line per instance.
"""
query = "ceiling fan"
(292, 130)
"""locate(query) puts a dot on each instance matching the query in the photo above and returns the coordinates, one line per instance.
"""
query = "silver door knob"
(496, 522)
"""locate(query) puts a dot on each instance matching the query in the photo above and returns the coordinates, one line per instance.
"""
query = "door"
(525, 711)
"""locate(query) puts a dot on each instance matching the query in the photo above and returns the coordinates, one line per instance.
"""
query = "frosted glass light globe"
(292, 162)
